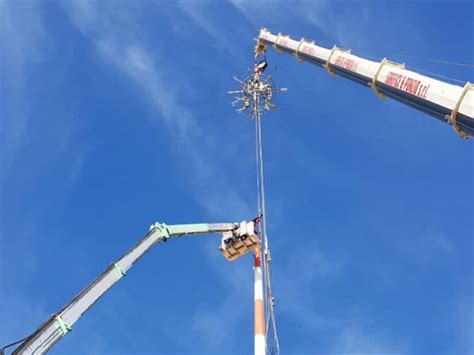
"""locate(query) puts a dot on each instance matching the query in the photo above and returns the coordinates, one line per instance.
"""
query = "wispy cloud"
(24, 47)
(305, 269)
(357, 340)
(130, 56)
(14, 310)
(197, 12)
(330, 18)
(21, 35)
(211, 184)
(257, 12)
(463, 322)
(237, 278)
(133, 60)
(260, 12)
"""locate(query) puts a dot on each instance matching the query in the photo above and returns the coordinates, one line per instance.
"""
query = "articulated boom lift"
(238, 240)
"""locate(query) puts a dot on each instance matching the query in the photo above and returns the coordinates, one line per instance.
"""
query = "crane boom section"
(59, 324)
(449, 103)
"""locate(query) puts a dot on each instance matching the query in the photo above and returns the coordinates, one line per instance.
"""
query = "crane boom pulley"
(449, 103)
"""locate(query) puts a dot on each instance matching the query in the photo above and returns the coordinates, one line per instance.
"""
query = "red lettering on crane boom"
(407, 84)
(346, 63)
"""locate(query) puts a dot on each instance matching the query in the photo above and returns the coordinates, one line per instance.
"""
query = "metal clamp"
(61, 324)
(452, 119)
(328, 61)
(119, 270)
(302, 40)
(162, 229)
(275, 44)
(373, 84)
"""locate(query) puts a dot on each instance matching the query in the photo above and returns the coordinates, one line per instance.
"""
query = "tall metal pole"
(259, 342)
(256, 93)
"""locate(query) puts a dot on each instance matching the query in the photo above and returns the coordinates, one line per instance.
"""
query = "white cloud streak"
(132, 58)
(209, 180)
(196, 11)
(21, 34)
(306, 267)
(24, 45)
(214, 325)
(355, 340)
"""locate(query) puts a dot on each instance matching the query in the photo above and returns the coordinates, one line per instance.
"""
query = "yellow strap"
(275, 45)
(452, 119)
(302, 40)
(328, 61)
(373, 84)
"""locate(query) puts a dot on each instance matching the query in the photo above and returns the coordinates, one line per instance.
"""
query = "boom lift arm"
(449, 103)
(238, 239)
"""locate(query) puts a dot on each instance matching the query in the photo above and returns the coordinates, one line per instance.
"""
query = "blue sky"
(114, 115)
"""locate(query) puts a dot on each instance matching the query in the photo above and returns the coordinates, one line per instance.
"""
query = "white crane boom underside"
(426, 94)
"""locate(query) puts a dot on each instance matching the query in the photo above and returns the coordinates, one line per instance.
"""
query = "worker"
(260, 66)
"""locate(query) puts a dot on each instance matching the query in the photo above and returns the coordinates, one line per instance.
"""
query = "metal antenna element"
(256, 92)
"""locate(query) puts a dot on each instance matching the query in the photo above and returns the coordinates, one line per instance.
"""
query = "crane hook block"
(239, 242)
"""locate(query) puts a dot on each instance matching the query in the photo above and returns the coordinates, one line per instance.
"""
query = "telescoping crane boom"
(238, 239)
(449, 103)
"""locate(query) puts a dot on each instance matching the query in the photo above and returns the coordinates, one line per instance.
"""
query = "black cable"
(2, 350)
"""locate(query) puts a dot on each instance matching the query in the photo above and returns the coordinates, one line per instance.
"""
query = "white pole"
(260, 343)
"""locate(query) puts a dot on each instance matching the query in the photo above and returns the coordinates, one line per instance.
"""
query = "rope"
(409, 67)
(262, 182)
(2, 350)
(459, 64)
(447, 78)
(401, 55)
(257, 161)
(270, 300)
